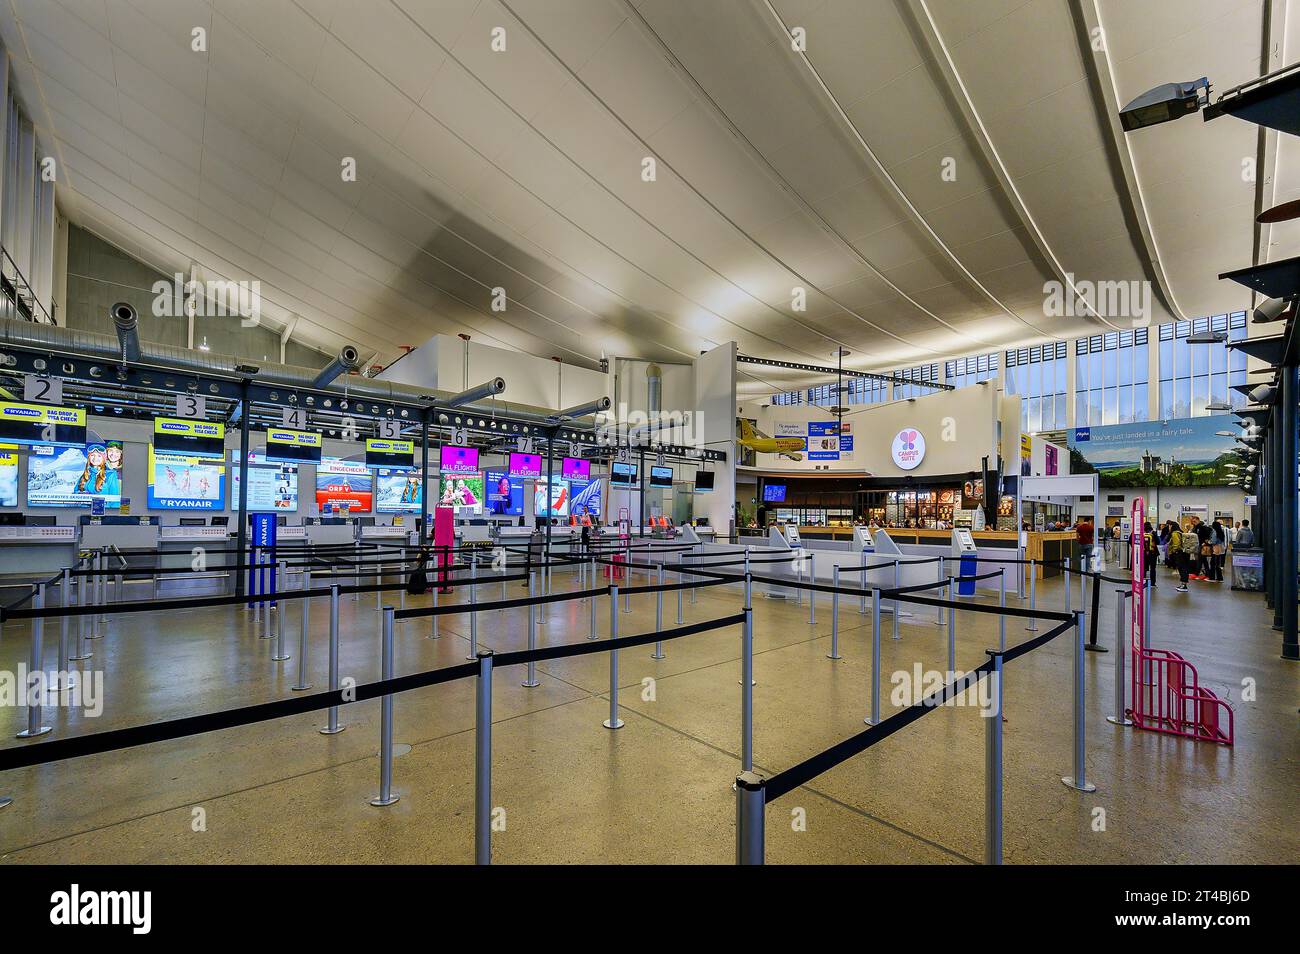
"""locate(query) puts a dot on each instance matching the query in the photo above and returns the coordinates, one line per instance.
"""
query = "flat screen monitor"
(623, 473)
(505, 497)
(458, 460)
(344, 485)
(382, 452)
(60, 476)
(271, 486)
(575, 468)
(661, 476)
(465, 492)
(286, 446)
(774, 493)
(703, 481)
(525, 465)
(42, 424)
(194, 522)
(176, 435)
(552, 504)
(585, 498)
(185, 482)
(398, 491)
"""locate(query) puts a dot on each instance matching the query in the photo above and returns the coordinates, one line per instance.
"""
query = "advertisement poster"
(465, 492)
(8, 475)
(183, 482)
(558, 505)
(504, 496)
(1050, 463)
(74, 476)
(398, 491)
(972, 494)
(271, 486)
(344, 484)
(1183, 452)
(1026, 455)
(585, 498)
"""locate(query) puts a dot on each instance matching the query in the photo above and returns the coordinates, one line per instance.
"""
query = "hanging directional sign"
(42, 390)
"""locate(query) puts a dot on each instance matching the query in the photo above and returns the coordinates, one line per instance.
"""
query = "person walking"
(1203, 550)
(1218, 548)
(1151, 556)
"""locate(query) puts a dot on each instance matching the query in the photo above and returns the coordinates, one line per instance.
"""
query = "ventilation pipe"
(654, 381)
(582, 410)
(349, 360)
(126, 322)
(486, 390)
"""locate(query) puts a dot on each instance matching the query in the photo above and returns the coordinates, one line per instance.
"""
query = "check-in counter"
(30, 552)
(319, 534)
(392, 535)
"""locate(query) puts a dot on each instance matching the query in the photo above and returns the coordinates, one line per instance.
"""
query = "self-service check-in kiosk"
(967, 555)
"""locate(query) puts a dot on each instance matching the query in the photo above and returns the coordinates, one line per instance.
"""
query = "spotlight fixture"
(1262, 394)
(1207, 337)
(1272, 310)
(1165, 103)
(1218, 406)
(1224, 434)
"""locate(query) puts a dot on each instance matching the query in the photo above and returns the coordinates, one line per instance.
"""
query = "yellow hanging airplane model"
(760, 443)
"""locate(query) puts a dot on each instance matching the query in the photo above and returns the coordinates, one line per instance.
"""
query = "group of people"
(1195, 553)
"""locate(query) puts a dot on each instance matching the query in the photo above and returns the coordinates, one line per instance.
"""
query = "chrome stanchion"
(747, 692)
(952, 625)
(96, 601)
(433, 625)
(545, 586)
(993, 767)
(302, 634)
(530, 680)
(1069, 584)
(281, 583)
(82, 652)
(835, 614)
(66, 679)
(386, 796)
(483, 760)
(874, 718)
(862, 585)
(356, 567)
(627, 563)
(938, 615)
(750, 810)
(680, 618)
(1020, 585)
(278, 626)
(694, 578)
(659, 615)
(333, 727)
(36, 671)
(1079, 779)
(473, 613)
(401, 578)
(591, 632)
(1033, 595)
(1002, 605)
(1083, 580)
(798, 576)
(613, 722)
(101, 619)
(1121, 651)
(812, 594)
(748, 581)
(897, 607)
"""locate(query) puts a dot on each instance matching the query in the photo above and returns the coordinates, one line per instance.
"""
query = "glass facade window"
(822, 395)
(1038, 376)
(866, 391)
(787, 398)
(1111, 378)
(1193, 376)
(966, 371)
(925, 372)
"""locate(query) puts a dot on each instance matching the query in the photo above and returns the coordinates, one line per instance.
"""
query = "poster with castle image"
(1182, 452)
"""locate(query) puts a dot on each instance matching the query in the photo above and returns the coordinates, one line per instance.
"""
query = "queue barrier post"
(835, 614)
(530, 680)
(627, 562)
(750, 809)
(613, 722)
(1033, 595)
(659, 615)
(812, 594)
(544, 588)
(862, 585)
(592, 632)
(938, 615)
(386, 796)
(952, 625)
(680, 619)
(897, 606)
(278, 627)
(1020, 581)
(66, 678)
(36, 672)
(747, 692)
(1078, 780)
(748, 581)
(1002, 604)
(874, 718)
(483, 760)
(333, 727)
(473, 611)
(302, 683)
(433, 630)
(1121, 651)
(993, 766)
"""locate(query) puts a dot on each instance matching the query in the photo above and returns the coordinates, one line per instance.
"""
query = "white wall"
(1168, 501)
(715, 405)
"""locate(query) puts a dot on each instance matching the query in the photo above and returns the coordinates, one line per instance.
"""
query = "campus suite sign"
(907, 449)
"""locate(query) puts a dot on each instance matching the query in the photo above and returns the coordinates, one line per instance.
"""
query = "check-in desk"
(327, 534)
(31, 552)
(390, 535)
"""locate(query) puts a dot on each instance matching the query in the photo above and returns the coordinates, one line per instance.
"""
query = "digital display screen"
(381, 452)
(42, 424)
(174, 435)
(465, 492)
(585, 498)
(185, 482)
(8, 475)
(774, 493)
(285, 446)
(73, 476)
(661, 476)
(505, 497)
(623, 473)
(575, 468)
(344, 485)
(458, 460)
(271, 485)
(553, 504)
(398, 491)
(703, 481)
(525, 465)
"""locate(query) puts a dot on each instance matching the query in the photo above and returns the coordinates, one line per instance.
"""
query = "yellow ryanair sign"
(296, 438)
(41, 414)
(180, 427)
(376, 445)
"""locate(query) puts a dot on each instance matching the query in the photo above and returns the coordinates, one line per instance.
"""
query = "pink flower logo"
(908, 439)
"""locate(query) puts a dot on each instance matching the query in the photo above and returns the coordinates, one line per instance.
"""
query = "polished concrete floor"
(659, 789)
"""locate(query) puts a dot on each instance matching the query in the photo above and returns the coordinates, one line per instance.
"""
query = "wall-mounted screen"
(774, 493)
(575, 468)
(465, 492)
(8, 475)
(525, 465)
(271, 485)
(505, 497)
(185, 482)
(176, 435)
(661, 476)
(74, 476)
(585, 498)
(42, 424)
(285, 446)
(623, 473)
(344, 485)
(552, 504)
(458, 460)
(381, 452)
(703, 481)
(398, 491)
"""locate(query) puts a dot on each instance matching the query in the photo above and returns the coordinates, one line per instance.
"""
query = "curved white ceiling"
(522, 169)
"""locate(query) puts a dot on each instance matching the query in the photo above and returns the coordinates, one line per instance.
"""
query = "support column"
(1286, 480)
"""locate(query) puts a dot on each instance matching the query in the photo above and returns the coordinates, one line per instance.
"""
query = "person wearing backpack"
(1189, 549)
(1151, 557)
